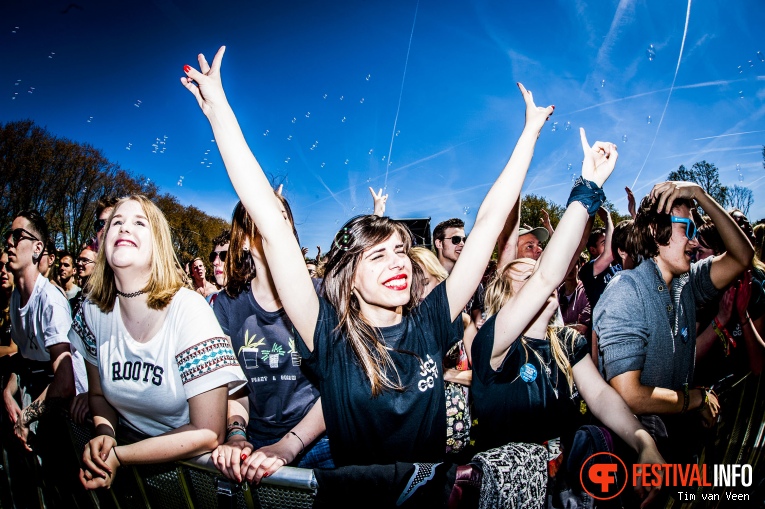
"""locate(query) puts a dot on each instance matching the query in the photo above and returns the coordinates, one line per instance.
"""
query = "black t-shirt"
(408, 425)
(518, 402)
(595, 285)
(280, 394)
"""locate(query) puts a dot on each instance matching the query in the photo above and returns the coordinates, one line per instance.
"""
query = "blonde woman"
(524, 367)
(157, 360)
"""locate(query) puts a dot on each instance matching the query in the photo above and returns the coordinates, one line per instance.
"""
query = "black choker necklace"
(130, 295)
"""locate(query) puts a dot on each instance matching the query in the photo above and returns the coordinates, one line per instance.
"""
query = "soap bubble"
(343, 120)
(602, 83)
(651, 52)
(555, 126)
(649, 119)
(266, 133)
(761, 56)
(370, 151)
(568, 126)
(624, 138)
(398, 132)
(368, 75)
(362, 100)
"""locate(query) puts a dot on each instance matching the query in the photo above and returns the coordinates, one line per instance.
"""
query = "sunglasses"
(457, 239)
(99, 224)
(690, 226)
(18, 235)
(85, 261)
(218, 254)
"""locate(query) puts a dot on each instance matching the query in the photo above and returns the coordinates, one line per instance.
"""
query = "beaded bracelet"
(686, 399)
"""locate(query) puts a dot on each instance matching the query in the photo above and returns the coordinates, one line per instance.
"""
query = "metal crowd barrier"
(196, 483)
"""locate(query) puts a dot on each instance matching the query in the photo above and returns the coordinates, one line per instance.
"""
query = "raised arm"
(738, 253)
(494, 210)
(507, 244)
(516, 315)
(285, 260)
(603, 261)
(379, 200)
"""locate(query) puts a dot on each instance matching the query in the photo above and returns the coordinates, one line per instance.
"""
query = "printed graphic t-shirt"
(408, 425)
(280, 394)
(149, 384)
(521, 401)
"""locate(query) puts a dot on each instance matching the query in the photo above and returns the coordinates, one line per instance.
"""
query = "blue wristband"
(235, 432)
(588, 194)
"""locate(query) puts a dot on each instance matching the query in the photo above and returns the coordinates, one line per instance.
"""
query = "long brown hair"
(498, 292)
(164, 281)
(240, 269)
(354, 238)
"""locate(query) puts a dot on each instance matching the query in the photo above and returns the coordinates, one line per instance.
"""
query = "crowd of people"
(379, 351)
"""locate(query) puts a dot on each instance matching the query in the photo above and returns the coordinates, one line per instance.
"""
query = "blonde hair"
(500, 290)
(429, 261)
(164, 280)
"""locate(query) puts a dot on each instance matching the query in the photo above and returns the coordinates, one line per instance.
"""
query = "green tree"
(531, 210)
(63, 179)
(705, 175)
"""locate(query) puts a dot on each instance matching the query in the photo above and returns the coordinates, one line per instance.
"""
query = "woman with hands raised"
(375, 349)
(524, 364)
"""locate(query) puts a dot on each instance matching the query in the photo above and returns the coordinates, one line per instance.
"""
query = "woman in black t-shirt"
(376, 351)
(524, 369)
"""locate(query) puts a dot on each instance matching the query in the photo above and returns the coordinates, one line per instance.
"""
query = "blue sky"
(437, 127)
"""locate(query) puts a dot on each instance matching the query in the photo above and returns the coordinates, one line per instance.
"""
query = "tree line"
(63, 180)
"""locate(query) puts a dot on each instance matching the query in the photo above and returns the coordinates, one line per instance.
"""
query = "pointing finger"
(583, 136)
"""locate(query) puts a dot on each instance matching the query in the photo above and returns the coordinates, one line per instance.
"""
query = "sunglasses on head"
(457, 239)
(18, 235)
(99, 224)
(690, 226)
(218, 254)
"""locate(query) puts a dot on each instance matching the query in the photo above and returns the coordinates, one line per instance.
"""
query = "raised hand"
(631, 202)
(743, 294)
(379, 201)
(599, 160)
(205, 84)
(667, 192)
(536, 116)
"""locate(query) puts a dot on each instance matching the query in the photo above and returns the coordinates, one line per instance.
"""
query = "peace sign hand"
(206, 85)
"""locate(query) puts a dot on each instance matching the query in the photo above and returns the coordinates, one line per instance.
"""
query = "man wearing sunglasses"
(646, 317)
(40, 322)
(218, 261)
(449, 239)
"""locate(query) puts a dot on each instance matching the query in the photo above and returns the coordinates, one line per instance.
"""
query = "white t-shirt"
(42, 323)
(149, 384)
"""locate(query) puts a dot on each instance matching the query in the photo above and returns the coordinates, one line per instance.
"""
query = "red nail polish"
(265, 475)
(187, 68)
